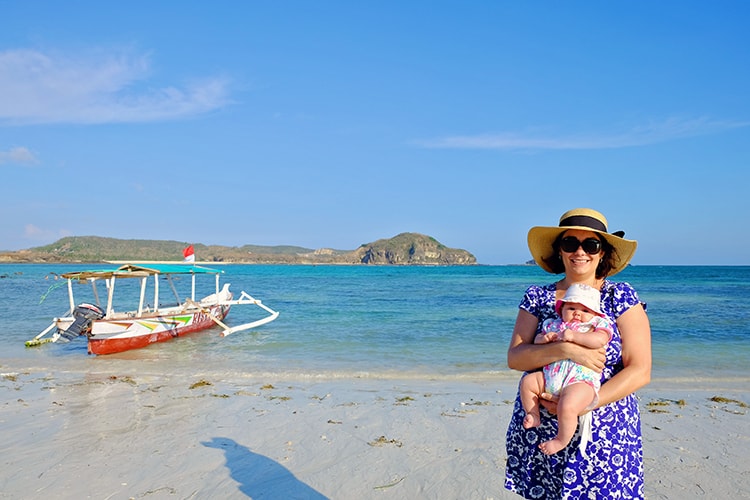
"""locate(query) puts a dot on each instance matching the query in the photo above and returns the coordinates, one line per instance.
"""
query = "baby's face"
(572, 311)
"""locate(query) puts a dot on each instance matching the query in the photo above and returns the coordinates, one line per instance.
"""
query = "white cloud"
(37, 234)
(652, 133)
(38, 87)
(17, 155)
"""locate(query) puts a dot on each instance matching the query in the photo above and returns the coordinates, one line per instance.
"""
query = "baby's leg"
(532, 384)
(574, 399)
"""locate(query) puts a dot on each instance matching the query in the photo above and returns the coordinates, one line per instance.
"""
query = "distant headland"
(402, 249)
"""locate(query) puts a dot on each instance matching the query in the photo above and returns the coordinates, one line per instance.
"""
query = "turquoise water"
(420, 321)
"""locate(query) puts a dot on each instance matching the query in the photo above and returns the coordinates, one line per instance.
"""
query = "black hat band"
(584, 220)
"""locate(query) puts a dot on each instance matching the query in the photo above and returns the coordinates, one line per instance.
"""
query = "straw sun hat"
(541, 238)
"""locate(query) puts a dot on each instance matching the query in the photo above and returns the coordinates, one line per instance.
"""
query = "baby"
(581, 321)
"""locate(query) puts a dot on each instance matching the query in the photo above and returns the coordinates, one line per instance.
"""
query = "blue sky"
(332, 124)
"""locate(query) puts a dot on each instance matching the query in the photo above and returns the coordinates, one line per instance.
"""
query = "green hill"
(403, 249)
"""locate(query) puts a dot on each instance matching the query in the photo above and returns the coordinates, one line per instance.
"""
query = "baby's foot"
(552, 446)
(531, 420)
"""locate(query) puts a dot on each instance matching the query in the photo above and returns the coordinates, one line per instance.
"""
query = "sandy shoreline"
(121, 436)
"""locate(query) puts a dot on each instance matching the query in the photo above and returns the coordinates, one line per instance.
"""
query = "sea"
(451, 322)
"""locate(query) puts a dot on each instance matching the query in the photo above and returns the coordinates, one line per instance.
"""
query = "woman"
(611, 466)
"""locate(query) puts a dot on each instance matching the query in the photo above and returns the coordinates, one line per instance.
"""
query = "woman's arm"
(524, 355)
(635, 334)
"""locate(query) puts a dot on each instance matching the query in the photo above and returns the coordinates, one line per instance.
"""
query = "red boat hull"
(159, 329)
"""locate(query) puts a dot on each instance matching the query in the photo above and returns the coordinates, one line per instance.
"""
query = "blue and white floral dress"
(613, 465)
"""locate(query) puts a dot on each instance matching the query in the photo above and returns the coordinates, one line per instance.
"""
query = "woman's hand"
(590, 358)
(549, 402)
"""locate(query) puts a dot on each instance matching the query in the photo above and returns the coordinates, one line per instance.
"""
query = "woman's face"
(579, 262)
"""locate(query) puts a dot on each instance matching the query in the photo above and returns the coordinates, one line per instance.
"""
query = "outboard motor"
(84, 315)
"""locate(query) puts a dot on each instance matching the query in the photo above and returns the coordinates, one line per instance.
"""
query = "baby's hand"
(551, 337)
(545, 338)
(566, 335)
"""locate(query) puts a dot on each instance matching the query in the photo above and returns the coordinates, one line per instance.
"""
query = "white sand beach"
(112, 435)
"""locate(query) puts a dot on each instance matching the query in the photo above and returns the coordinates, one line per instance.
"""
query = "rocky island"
(403, 249)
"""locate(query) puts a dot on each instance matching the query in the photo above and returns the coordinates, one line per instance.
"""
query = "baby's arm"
(595, 339)
(550, 332)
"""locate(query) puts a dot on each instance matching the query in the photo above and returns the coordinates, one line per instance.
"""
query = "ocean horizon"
(393, 321)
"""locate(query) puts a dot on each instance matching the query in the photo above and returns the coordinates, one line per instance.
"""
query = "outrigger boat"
(110, 331)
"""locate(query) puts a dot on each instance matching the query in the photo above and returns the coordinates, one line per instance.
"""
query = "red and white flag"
(189, 254)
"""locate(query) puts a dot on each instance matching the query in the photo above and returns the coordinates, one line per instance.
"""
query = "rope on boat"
(51, 287)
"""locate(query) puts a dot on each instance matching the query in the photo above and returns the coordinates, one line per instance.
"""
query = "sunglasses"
(570, 244)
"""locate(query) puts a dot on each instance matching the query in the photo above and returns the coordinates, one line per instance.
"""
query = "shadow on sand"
(259, 476)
